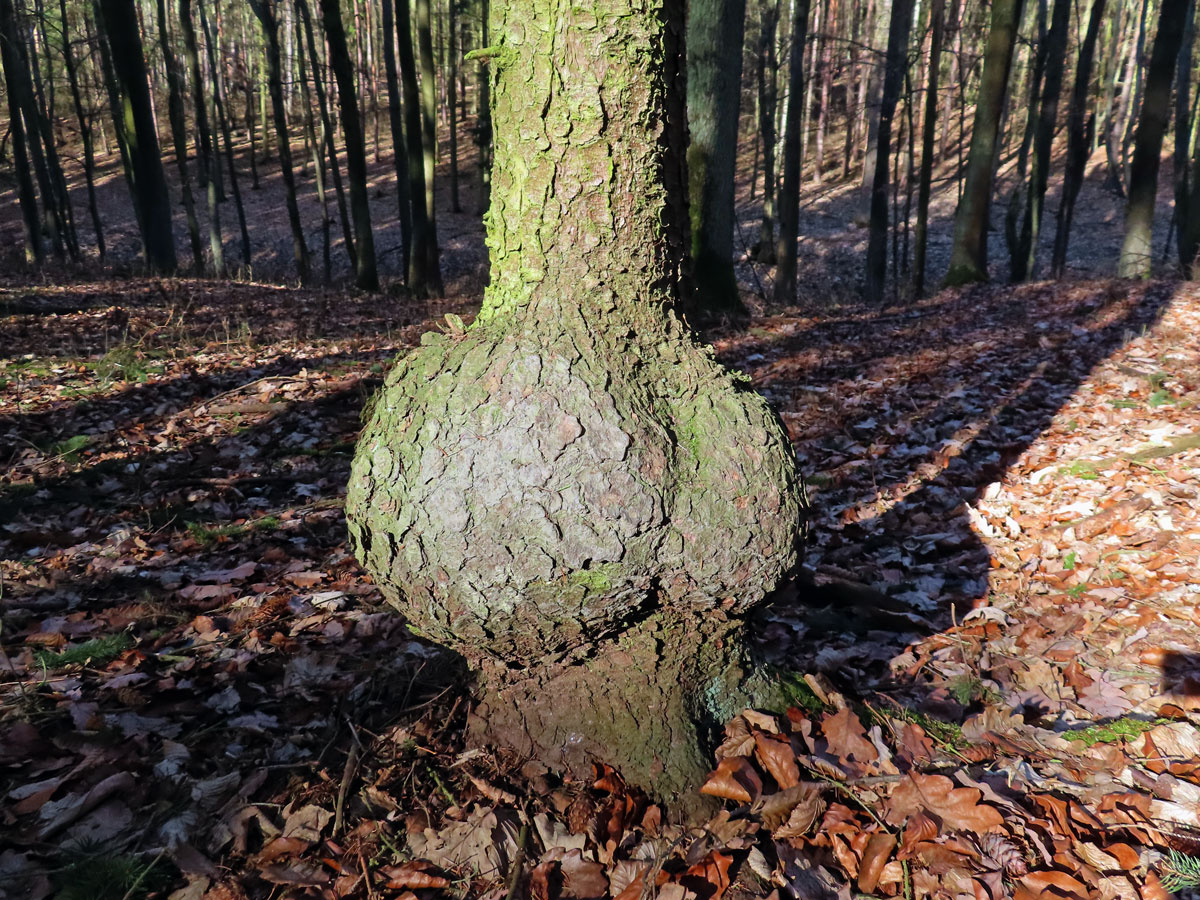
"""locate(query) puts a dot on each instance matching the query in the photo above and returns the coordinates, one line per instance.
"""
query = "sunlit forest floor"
(993, 643)
(994, 639)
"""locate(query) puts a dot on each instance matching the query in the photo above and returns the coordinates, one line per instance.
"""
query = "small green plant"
(123, 362)
(98, 875)
(1180, 872)
(968, 689)
(1077, 591)
(71, 448)
(1159, 398)
(209, 535)
(96, 651)
(1125, 729)
(1069, 561)
(797, 693)
(1123, 404)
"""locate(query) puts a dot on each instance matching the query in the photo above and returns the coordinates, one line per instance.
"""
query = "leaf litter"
(993, 641)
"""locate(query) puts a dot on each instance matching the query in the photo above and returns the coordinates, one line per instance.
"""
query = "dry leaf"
(779, 759)
(415, 875)
(875, 857)
(734, 779)
(958, 808)
(847, 738)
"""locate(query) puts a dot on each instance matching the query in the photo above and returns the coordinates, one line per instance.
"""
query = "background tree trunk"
(433, 266)
(789, 191)
(396, 124)
(715, 33)
(1152, 124)
(928, 141)
(1078, 144)
(149, 186)
(366, 275)
(26, 193)
(768, 101)
(897, 60)
(968, 254)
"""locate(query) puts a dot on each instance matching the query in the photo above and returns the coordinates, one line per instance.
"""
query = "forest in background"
(275, 139)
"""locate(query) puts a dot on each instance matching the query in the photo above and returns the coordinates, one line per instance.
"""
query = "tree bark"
(26, 193)
(85, 130)
(149, 186)
(1152, 123)
(210, 164)
(1078, 144)
(768, 100)
(715, 32)
(366, 276)
(562, 493)
(1024, 260)
(789, 193)
(1183, 133)
(433, 278)
(396, 123)
(452, 100)
(928, 140)
(968, 254)
(424, 276)
(897, 60)
(265, 11)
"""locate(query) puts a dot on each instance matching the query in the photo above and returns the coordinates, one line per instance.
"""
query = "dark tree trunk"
(210, 165)
(789, 192)
(768, 101)
(327, 127)
(897, 61)
(222, 122)
(715, 30)
(149, 186)
(968, 254)
(1152, 124)
(14, 84)
(85, 130)
(1024, 260)
(452, 100)
(429, 141)
(610, 500)
(395, 121)
(424, 279)
(483, 119)
(1183, 132)
(1078, 143)
(265, 11)
(179, 134)
(928, 142)
(366, 275)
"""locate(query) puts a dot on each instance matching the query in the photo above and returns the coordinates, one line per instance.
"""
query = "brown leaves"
(937, 797)
(734, 779)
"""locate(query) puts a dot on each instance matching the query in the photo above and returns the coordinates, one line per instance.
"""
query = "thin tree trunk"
(266, 16)
(222, 122)
(328, 128)
(483, 119)
(179, 134)
(768, 66)
(366, 276)
(928, 139)
(399, 154)
(148, 187)
(85, 129)
(26, 194)
(1183, 131)
(429, 140)
(452, 104)
(968, 255)
(897, 59)
(1152, 123)
(789, 197)
(209, 163)
(1078, 144)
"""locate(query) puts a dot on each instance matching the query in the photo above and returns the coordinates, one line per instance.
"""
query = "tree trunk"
(222, 122)
(1183, 132)
(179, 135)
(85, 130)
(148, 187)
(571, 493)
(399, 155)
(424, 279)
(715, 31)
(433, 278)
(483, 119)
(366, 275)
(768, 66)
(968, 255)
(209, 161)
(789, 191)
(26, 194)
(897, 61)
(265, 11)
(1024, 260)
(1078, 144)
(452, 101)
(928, 139)
(1152, 123)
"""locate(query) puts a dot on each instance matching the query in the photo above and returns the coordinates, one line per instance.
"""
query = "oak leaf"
(847, 738)
(958, 808)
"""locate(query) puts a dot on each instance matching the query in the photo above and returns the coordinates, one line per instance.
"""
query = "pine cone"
(1004, 854)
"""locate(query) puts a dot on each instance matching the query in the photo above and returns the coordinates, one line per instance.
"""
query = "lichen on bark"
(572, 493)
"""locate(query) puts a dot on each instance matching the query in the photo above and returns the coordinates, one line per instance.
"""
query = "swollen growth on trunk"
(572, 493)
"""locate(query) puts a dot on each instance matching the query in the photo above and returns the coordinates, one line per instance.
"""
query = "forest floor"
(995, 643)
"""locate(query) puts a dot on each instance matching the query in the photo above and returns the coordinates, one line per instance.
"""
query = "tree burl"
(572, 493)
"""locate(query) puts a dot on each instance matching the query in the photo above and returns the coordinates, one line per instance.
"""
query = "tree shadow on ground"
(900, 454)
